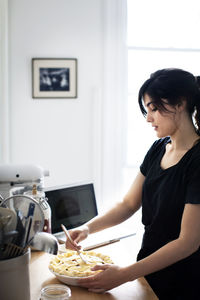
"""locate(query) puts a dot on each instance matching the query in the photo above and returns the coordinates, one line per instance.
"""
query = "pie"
(70, 263)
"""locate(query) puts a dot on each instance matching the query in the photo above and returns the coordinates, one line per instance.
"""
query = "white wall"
(55, 133)
(76, 139)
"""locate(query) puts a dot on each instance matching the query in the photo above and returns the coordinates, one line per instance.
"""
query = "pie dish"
(68, 267)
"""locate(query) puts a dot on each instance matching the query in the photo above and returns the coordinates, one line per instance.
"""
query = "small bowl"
(56, 291)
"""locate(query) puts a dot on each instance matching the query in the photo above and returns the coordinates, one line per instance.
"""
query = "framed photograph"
(54, 78)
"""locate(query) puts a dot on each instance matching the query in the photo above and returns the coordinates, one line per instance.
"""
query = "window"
(160, 34)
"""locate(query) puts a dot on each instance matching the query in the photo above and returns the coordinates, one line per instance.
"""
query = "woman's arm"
(119, 213)
(187, 243)
(122, 210)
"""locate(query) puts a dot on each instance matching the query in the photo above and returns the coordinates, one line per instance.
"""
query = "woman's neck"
(184, 143)
(185, 137)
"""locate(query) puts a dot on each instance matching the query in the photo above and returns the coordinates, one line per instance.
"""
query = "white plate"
(66, 279)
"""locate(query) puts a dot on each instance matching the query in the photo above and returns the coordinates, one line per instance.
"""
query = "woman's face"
(165, 123)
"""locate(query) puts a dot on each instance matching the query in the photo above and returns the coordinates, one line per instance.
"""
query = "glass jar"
(56, 292)
(39, 196)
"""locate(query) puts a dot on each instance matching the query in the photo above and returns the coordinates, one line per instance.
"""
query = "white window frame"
(4, 97)
(114, 95)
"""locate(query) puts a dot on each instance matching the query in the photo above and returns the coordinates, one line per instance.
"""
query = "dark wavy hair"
(173, 85)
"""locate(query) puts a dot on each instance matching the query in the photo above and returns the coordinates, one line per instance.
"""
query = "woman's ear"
(181, 105)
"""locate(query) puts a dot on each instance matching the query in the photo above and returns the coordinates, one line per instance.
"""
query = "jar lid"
(56, 291)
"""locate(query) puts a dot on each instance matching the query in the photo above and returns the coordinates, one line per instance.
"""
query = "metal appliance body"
(22, 179)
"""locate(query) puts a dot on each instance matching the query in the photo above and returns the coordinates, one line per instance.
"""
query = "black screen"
(71, 206)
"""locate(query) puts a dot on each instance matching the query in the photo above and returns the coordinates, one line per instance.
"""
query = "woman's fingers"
(99, 291)
(110, 277)
(72, 246)
(100, 267)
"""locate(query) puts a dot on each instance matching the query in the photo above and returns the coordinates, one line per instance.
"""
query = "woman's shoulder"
(194, 155)
(160, 143)
(191, 161)
(154, 153)
(196, 148)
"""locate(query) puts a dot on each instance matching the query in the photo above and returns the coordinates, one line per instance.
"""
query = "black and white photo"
(54, 78)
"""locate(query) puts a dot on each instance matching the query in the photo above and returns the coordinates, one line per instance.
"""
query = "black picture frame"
(54, 78)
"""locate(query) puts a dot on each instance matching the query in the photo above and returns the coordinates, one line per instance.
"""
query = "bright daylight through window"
(160, 34)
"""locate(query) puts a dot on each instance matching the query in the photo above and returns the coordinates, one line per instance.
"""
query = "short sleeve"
(151, 155)
(145, 163)
(193, 187)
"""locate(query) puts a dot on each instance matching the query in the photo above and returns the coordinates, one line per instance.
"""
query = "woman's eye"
(154, 109)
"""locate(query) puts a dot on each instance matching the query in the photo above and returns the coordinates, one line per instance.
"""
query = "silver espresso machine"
(26, 179)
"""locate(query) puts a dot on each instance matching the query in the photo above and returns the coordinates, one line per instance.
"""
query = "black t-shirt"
(166, 191)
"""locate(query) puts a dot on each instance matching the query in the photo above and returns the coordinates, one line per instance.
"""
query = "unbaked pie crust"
(70, 264)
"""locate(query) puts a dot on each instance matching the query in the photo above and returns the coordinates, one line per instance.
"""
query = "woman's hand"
(110, 277)
(77, 235)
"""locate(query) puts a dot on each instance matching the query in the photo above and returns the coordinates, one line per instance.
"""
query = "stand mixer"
(24, 215)
(26, 179)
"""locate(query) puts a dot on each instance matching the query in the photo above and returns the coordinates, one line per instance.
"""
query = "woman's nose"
(149, 117)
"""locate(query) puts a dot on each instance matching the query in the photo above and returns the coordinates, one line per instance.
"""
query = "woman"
(168, 188)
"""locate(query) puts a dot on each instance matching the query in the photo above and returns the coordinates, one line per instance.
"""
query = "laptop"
(71, 205)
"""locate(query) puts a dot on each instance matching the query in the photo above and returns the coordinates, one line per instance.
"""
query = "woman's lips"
(155, 127)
